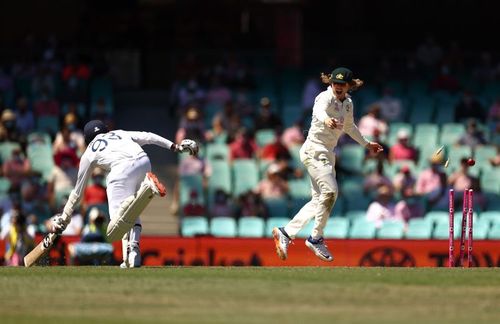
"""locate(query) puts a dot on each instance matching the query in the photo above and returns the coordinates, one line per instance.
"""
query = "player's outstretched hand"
(189, 146)
(374, 147)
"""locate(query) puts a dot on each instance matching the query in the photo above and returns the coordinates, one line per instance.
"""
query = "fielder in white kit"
(130, 183)
(332, 115)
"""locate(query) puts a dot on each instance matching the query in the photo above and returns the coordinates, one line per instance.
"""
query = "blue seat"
(189, 183)
(351, 157)
(391, 230)
(194, 225)
(217, 152)
(277, 207)
(245, 175)
(299, 188)
(251, 226)
(362, 229)
(494, 232)
(264, 136)
(336, 227)
(426, 134)
(451, 133)
(394, 128)
(305, 232)
(419, 228)
(490, 217)
(437, 217)
(223, 226)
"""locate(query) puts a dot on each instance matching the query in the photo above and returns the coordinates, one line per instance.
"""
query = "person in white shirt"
(332, 116)
(130, 184)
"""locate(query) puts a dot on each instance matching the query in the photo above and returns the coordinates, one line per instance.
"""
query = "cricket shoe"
(155, 184)
(319, 248)
(282, 241)
(134, 256)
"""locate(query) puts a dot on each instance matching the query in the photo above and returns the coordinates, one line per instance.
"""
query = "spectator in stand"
(218, 132)
(382, 156)
(372, 122)
(190, 95)
(275, 150)
(18, 241)
(45, 105)
(218, 93)
(34, 199)
(376, 179)
(461, 179)
(494, 112)
(25, 121)
(9, 125)
(193, 206)
(191, 126)
(251, 204)
(432, 182)
(384, 209)
(293, 136)
(221, 205)
(312, 88)
(100, 111)
(391, 108)
(69, 137)
(95, 191)
(273, 186)
(243, 146)
(445, 80)
(404, 182)
(266, 118)
(16, 169)
(495, 161)
(75, 76)
(64, 174)
(473, 136)
(403, 150)
(469, 107)
(429, 54)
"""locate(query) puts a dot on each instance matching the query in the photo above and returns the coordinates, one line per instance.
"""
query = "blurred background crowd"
(244, 89)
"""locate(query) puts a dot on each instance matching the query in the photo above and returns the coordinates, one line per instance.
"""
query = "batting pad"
(129, 211)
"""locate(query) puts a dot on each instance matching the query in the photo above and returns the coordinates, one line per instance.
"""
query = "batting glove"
(59, 223)
(189, 146)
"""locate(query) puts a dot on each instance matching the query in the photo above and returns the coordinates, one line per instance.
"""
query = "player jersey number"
(101, 143)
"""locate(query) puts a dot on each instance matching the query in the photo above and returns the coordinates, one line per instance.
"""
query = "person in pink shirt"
(431, 182)
(243, 146)
(384, 208)
(274, 186)
(461, 179)
(403, 150)
(372, 122)
(293, 136)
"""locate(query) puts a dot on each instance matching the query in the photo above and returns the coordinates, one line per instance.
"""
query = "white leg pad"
(129, 211)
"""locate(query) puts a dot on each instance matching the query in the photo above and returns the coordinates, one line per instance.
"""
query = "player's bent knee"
(127, 214)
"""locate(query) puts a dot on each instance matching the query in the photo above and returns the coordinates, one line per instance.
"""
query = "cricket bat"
(39, 250)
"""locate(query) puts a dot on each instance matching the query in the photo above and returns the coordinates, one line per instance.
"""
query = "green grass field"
(249, 295)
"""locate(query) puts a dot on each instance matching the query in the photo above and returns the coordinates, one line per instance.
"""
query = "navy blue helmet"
(92, 129)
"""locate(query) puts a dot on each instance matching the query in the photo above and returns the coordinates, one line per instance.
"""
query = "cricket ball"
(470, 162)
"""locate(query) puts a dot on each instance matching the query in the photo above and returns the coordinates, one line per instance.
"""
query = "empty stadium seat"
(251, 226)
(264, 136)
(187, 184)
(336, 227)
(490, 217)
(219, 179)
(362, 229)
(391, 230)
(437, 217)
(494, 232)
(426, 134)
(451, 133)
(354, 215)
(6, 149)
(245, 175)
(194, 225)
(351, 157)
(490, 181)
(419, 228)
(441, 231)
(421, 110)
(299, 188)
(216, 152)
(480, 230)
(222, 226)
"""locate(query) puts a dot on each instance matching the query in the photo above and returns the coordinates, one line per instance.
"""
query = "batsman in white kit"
(130, 184)
(332, 115)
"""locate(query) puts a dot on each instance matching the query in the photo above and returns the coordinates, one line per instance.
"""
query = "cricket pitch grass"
(249, 295)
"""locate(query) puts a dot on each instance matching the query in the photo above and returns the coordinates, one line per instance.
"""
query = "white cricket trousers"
(320, 164)
(124, 180)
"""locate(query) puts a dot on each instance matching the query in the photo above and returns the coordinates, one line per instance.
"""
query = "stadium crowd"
(250, 121)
